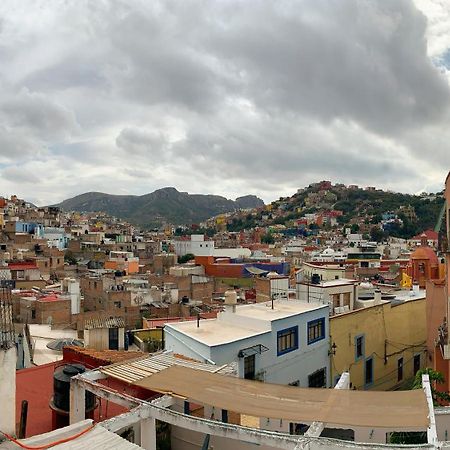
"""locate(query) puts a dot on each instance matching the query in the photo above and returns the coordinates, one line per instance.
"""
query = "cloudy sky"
(229, 97)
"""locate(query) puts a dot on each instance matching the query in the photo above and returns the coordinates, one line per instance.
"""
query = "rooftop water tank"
(230, 297)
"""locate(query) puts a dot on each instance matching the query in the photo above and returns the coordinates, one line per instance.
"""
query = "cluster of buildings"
(129, 338)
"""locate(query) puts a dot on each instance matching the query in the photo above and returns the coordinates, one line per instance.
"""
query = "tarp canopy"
(395, 410)
(256, 271)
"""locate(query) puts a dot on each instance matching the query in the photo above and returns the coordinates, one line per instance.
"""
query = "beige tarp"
(397, 410)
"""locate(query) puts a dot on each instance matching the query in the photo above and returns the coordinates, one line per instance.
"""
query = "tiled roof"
(133, 371)
(104, 322)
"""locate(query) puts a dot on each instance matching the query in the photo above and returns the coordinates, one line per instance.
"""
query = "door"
(113, 338)
(249, 367)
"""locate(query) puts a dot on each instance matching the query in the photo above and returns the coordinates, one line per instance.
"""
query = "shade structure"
(59, 344)
(395, 410)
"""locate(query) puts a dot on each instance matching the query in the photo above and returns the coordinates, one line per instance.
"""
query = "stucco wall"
(394, 331)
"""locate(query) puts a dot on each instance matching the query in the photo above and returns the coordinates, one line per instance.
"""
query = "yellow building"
(382, 346)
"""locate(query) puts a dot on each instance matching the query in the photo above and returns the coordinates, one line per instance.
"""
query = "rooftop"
(138, 369)
(96, 437)
(281, 309)
(248, 321)
(101, 322)
(213, 332)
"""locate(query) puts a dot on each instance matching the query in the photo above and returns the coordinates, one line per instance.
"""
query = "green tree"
(185, 258)
(354, 228)
(69, 257)
(377, 234)
(268, 238)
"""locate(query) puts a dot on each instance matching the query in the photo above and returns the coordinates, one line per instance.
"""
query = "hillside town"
(221, 335)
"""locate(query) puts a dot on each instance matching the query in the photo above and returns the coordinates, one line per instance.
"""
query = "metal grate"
(7, 335)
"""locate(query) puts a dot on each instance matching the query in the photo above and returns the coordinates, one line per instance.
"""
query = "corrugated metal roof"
(133, 371)
(97, 438)
(104, 322)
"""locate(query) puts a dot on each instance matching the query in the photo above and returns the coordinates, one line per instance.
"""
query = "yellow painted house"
(382, 346)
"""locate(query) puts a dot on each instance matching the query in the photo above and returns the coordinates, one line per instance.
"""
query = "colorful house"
(382, 346)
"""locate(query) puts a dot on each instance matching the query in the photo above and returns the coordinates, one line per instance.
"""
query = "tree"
(185, 258)
(436, 377)
(376, 234)
(268, 238)
(69, 257)
(354, 228)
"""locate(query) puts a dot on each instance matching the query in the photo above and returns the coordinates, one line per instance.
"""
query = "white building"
(285, 345)
(338, 294)
(326, 272)
(196, 245)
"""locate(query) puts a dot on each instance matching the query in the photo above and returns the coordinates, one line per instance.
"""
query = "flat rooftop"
(214, 332)
(281, 309)
(331, 283)
(248, 321)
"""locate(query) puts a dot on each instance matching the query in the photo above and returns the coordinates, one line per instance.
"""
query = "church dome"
(425, 252)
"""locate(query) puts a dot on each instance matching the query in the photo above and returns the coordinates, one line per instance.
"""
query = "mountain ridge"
(162, 205)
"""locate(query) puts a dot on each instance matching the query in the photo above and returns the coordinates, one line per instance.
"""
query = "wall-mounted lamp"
(332, 350)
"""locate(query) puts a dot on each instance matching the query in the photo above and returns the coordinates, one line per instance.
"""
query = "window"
(297, 428)
(33, 314)
(416, 367)
(400, 369)
(359, 347)
(249, 367)
(317, 379)
(287, 340)
(368, 372)
(117, 304)
(316, 330)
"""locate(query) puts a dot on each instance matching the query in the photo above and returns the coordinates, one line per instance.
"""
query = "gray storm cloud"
(224, 97)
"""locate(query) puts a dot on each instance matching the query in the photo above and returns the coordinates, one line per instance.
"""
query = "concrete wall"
(8, 390)
(99, 338)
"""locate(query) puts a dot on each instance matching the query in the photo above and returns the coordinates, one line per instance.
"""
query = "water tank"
(230, 297)
(61, 387)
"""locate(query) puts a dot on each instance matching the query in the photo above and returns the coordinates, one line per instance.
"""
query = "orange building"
(424, 264)
(123, 261)
(437, 312)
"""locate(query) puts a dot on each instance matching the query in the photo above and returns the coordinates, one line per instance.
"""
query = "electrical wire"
(50, 444)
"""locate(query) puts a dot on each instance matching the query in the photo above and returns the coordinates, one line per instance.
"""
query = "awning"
(255, 271)
(396, 410)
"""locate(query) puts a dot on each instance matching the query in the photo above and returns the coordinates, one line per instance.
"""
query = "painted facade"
(289, 348)
(381, 346)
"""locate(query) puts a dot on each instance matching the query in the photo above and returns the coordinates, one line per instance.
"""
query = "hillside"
(162, 205)
(362, 209)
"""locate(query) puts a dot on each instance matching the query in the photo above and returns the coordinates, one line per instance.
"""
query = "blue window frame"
(360, 350)
(287, 340)
(368, 372)
(316, 330)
